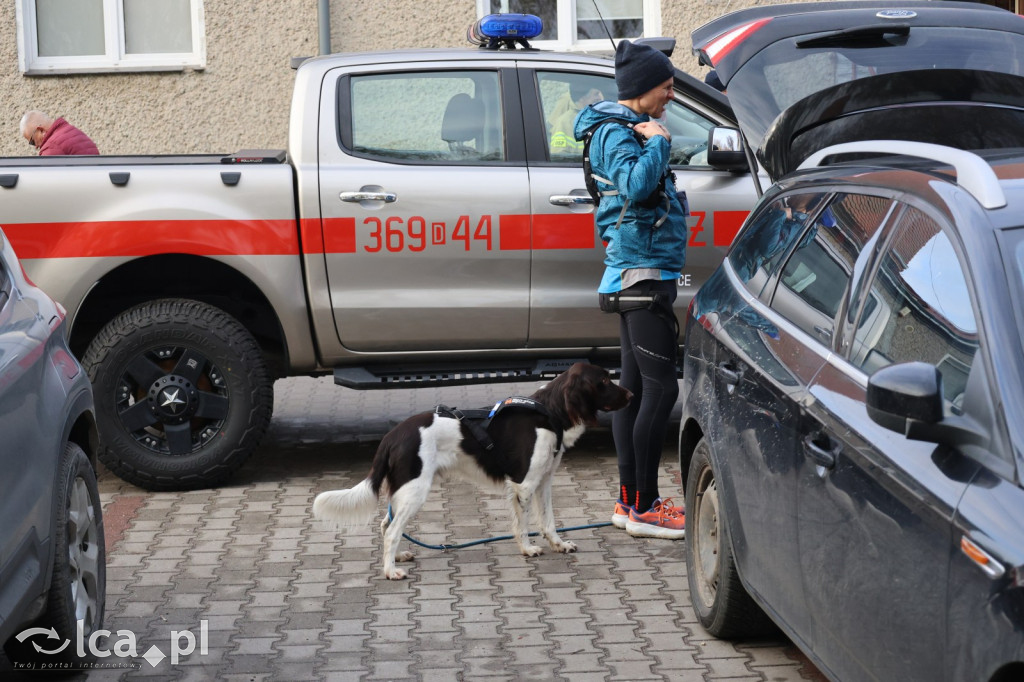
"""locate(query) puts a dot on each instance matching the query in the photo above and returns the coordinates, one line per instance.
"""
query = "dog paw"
(404, 556)
(532, 550)
(395, 574)
(565, 547)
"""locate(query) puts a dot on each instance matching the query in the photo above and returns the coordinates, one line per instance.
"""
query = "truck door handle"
(728, 374)
(825, 456)
(356, 197)
(570, 200)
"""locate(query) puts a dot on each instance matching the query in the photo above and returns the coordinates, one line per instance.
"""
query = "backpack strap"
(591, 178)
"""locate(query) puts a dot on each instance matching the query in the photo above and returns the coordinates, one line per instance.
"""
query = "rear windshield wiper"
(857, 36)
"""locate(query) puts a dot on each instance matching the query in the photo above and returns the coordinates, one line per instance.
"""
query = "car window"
(815, 280)
(927, 308)
(435, 117)
(772, 231)
(563, 94)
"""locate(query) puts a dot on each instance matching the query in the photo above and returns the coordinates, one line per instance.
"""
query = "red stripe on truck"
(339, 235)
(115, 238)
(550, 231)
(564, 231)
(727, 224)
(514, 232)
(126, 238)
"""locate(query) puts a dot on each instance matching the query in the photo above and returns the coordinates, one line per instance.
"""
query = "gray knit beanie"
(639, 68)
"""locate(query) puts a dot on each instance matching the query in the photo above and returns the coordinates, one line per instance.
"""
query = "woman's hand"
(651, 128)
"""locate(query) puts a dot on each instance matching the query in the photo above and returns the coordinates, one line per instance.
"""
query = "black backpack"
(652, 201)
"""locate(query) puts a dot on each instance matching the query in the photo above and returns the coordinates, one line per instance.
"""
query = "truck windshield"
(791, 69)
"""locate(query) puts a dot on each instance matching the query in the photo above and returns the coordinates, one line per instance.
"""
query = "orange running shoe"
(621, 514)
(663, 520)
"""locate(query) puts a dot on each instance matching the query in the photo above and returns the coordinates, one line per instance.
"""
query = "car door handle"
(570, 200)
(825, 456)
(356, 197)
(823, 333)
(728, 374)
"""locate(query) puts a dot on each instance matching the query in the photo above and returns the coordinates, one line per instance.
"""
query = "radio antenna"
(604, 24)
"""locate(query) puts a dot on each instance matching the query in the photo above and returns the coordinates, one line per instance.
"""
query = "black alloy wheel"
(183, 394)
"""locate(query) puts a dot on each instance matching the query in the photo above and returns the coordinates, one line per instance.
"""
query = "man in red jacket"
(52, 137)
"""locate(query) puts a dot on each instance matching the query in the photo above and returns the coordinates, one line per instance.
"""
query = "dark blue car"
(852, 436)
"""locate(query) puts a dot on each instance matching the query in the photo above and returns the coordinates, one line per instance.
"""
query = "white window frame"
(114, 59)
(566, 13)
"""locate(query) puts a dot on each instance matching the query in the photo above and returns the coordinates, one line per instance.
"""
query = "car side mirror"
(908, 391)
(726, 149)
(907, 398)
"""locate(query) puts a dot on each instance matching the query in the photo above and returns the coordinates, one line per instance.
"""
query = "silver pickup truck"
(428, 224)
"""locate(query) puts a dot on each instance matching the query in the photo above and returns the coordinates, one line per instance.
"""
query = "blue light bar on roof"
(511, 26)
(505, 30)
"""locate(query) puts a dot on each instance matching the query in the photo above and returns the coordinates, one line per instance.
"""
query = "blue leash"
(471, 543)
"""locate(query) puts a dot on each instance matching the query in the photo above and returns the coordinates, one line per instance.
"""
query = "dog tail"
(347, 508)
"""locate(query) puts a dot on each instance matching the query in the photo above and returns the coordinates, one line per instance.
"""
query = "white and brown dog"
(527, 443)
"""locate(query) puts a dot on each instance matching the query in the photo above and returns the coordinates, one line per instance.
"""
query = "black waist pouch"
(640, 296)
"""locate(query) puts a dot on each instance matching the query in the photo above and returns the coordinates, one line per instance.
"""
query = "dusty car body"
(851, 435)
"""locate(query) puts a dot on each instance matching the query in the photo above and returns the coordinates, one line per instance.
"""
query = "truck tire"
(183, 395)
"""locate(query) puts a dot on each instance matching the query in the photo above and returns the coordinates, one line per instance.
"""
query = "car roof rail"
(972, 172)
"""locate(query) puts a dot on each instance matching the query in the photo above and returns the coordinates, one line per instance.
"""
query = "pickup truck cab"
(426, 225)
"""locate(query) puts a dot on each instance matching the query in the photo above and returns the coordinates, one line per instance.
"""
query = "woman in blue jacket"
(643, 223)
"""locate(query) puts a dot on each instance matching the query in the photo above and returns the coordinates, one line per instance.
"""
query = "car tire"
(77, 590)
(722, 604)
(183, 394)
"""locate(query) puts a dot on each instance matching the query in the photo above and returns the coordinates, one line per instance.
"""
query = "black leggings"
(649, 350)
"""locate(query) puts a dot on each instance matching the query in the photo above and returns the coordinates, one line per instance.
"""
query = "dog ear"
(578, 396)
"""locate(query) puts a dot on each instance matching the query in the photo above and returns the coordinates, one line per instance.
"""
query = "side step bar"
(410, 376)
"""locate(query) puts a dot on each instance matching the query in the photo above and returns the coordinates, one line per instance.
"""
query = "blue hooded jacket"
(635, 171)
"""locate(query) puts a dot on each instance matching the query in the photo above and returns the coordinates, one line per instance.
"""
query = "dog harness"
(479, 419)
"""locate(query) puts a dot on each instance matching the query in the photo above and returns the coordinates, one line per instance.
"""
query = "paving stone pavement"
(274, 595)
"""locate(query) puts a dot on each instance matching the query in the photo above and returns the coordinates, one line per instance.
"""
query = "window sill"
(65, 69)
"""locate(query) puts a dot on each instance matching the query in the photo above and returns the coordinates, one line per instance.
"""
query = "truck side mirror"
(726, 149)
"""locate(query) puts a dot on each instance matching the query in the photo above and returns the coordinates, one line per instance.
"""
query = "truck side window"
(426, 116)
(563, 94)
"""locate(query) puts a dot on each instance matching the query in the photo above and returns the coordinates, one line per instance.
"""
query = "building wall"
(241, 100)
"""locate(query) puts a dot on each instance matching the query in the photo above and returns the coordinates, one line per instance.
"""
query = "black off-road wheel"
(183, 394)
(722, 604)
(78, 584)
